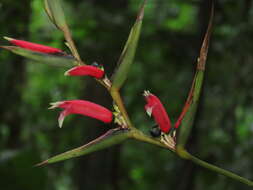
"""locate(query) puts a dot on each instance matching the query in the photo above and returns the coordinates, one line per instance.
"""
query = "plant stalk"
(186, 155)
(118, 100)
(72, 46)
(138, 135)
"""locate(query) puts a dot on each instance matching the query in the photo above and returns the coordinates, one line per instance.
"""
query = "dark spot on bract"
(155, 132)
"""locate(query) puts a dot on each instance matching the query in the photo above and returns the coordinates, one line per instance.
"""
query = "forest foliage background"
(165, 61)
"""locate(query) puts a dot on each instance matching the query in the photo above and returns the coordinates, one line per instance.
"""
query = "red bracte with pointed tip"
(33, 46)
(82, 107)
(86, 70)
(155, 108)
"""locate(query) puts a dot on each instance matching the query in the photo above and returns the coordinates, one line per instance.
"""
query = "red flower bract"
(155, 108)
(84, 108)
(84, 70)
(34, 47)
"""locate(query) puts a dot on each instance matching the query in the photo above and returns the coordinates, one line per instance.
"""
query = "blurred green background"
(165, 62)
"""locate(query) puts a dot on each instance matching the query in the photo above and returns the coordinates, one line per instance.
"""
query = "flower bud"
(34, 47)
(155, 108)
(82, 107)
(86, 70)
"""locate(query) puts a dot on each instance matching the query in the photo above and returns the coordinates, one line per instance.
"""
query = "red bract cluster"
(82, 107)
(155, 108)
(33, 46)
(84, 70)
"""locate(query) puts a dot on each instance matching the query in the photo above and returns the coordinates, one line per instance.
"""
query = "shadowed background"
(169, 45)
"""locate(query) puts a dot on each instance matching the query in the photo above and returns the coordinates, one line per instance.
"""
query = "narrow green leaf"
(112, 137)
(188, 114)
(54, 60)
(128, 53)
(47, 9)
(55, 13)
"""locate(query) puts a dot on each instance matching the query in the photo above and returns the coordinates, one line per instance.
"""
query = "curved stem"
(184, 154)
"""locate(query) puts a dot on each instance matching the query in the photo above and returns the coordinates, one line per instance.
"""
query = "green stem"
(184, 154)
(73, 49)
(118, 100)
(138, 135)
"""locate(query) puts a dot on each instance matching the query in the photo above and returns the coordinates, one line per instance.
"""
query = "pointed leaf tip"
(141, 12)
(205, 43)
(186, 118)
(127, 56)
(41, 164)
(112, 137)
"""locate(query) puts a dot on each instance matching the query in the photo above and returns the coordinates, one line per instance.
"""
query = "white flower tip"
(61, 118)
(66, 73)
(60, 122)
(146, 93)
(54, 105)
(7, 38)
(149, 111)
(67, 44)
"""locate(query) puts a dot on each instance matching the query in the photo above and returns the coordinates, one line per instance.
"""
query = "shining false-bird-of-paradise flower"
(34, 47)
(85, 70)
(155, 108)
(82, 107)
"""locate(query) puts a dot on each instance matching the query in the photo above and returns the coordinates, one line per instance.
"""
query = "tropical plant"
(172, 137)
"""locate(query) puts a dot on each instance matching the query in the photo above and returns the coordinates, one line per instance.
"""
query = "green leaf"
(188, 114)
(55, 13)
(128, 53)
(112, 137)
(50, 59)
